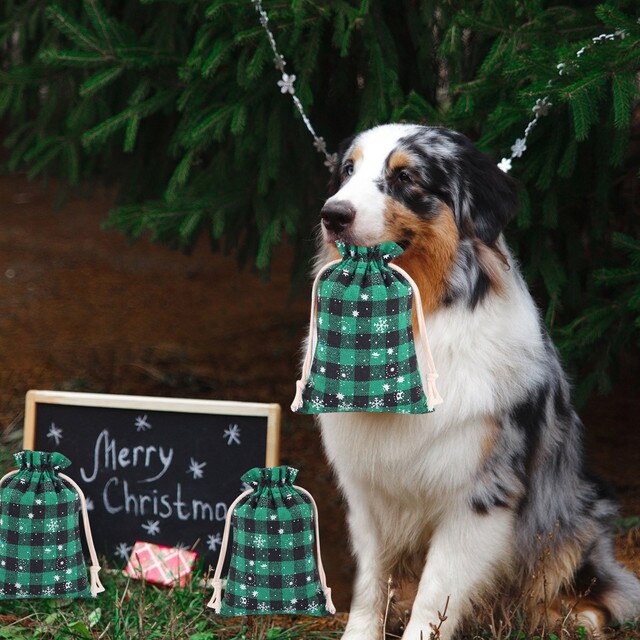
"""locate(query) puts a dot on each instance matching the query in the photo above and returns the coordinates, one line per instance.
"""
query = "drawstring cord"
(96, 585)
(94, 569)
(323, 578)
(216, 599)
(311, 341)
(433, 396)
(7, 475)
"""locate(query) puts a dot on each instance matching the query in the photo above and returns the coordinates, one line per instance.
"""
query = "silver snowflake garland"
(286, 86)
(542, 105)
(518, 148)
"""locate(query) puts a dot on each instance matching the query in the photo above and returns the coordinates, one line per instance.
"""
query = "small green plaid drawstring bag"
(272, 567)
(361, 353)
(40, 548)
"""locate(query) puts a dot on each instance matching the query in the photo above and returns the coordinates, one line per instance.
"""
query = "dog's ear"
(334, 180)
(489, 198)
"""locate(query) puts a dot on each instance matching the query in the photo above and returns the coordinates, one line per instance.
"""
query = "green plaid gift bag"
(361, 353)
(272, 567)
(40, 548)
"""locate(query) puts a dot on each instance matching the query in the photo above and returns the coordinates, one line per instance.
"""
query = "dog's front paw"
(362, 634)
(421, 630)
(361, 627)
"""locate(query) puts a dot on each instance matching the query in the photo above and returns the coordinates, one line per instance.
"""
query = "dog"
(485, 502)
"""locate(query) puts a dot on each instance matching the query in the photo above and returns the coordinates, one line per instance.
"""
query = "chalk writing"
(106, 450)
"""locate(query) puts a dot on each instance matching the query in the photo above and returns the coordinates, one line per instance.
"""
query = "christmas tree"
(175, 102)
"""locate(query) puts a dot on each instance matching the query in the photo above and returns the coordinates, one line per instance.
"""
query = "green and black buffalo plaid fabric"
(40, 549)
(272, 567)
(365, 356)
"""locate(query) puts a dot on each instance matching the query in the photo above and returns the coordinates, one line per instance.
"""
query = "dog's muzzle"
(337, 216)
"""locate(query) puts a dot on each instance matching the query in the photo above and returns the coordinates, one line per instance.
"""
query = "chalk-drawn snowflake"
(182, 546)
(55, 433)
(90, 505)
(381, 325)
(152, 527)
(142, 423)
(214, 541)
(196, 469)
(123, 550)
(232, 434)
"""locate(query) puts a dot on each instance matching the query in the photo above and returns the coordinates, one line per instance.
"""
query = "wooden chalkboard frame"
(271, 411)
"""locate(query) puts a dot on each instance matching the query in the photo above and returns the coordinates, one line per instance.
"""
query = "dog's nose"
(337, 216)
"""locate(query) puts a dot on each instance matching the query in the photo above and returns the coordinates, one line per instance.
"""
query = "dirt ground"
(82, 310)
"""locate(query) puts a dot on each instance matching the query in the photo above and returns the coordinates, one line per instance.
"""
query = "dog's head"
(426, 188)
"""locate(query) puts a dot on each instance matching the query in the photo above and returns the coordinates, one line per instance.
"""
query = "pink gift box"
(161, 565)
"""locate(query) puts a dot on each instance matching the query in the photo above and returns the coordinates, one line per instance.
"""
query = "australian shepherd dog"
(486, 502)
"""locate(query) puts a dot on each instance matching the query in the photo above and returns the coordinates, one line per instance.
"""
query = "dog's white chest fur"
(486, 359)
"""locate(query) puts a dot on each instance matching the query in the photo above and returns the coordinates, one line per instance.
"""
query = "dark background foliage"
(174, 103)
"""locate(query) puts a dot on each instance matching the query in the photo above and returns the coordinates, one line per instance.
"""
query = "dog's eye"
(348, 169)
(404, 176)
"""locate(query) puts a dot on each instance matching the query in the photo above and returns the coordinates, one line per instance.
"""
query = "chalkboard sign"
(155, 469)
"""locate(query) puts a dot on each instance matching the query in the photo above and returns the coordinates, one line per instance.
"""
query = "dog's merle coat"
(486, 501)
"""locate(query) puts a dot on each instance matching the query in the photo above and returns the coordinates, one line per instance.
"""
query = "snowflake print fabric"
(273, 568)
(364, 354)
(40, 548)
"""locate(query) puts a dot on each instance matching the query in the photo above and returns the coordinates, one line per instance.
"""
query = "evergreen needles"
(176, 103)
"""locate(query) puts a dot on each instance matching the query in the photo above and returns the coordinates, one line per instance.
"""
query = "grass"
(131, 609)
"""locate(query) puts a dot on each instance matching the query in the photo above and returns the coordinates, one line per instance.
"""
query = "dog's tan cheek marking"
(493, 263)
(432, 249)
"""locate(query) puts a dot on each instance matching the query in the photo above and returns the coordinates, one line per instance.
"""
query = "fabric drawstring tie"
(432, 394)
(216, 599)
(94, 569)
(96, 586)
(215, 602)
(323, 578)
(311, 340)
